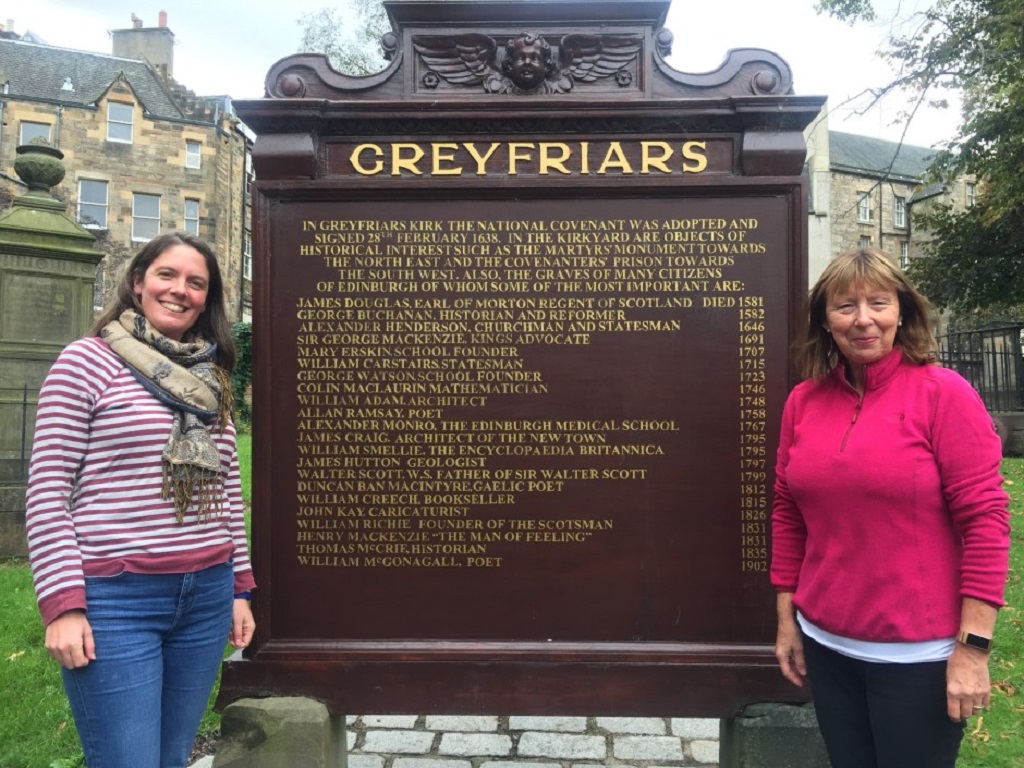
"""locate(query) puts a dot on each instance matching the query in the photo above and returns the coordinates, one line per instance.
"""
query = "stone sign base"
(281, 731)
(298, 732)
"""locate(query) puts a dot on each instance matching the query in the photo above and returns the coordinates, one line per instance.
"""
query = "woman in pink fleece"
(890, 526)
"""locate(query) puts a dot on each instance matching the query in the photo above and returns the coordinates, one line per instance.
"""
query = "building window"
(865, 241)
(248, 174)
(247, 256)
(30, 131)
(192, 216)
(971, 190)
(899, 211)
(904, 254)
(864, 206)
(193, 154)
(120, 118)
(92, 203)
(145, 217)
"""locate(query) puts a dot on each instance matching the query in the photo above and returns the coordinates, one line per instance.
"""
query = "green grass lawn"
(36, 730)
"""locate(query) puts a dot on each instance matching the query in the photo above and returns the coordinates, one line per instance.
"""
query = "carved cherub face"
(529, 60)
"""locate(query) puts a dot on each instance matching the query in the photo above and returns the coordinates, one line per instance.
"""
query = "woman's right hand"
(69, 640)
(789, 644)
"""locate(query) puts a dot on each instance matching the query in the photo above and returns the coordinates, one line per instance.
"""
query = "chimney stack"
(152, 44)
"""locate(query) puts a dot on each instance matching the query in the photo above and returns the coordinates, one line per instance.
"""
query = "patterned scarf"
(184, 376)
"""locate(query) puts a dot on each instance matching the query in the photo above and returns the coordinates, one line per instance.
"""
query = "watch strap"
(980, 642)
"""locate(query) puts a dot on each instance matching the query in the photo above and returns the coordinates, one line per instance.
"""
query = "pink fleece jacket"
(889, 508)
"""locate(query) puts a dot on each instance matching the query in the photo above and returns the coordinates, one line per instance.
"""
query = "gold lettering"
(399, 163)
(615, 158)
(481, 160)
(547, 161)
(699, 158)
(660, 162)
(514, 157)
(374, 169)
(440, 155)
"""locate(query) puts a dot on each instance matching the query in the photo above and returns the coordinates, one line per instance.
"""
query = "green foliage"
(241, 379)
(350, 37)
(993, 739)
(245, 467)
(847, 10)
(975, 47)
(36, 726)
(976, 260)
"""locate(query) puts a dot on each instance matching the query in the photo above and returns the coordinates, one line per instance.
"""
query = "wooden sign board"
(522, 340)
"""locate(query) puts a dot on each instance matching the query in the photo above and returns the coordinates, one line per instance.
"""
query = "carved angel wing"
(592, 57)
(460, 59)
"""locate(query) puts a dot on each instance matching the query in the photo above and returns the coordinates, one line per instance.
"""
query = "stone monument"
(47, 273)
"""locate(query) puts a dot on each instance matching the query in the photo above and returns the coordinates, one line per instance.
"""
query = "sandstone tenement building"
(143, 154)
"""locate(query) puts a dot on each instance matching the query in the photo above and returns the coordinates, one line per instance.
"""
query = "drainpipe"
(881, 216)
(5, 91)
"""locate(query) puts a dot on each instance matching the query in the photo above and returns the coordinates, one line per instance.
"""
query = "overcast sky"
(227, 46)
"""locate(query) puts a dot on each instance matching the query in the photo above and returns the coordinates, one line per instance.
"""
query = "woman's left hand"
(967, 682)
(242, 624)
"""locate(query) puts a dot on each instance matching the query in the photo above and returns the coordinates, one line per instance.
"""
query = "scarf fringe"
(184, 482)
(226, 404)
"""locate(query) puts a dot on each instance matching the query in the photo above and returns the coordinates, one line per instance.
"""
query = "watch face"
(975, 641)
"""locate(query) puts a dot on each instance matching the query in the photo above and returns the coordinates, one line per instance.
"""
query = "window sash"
(247, 256)
(193, 154)
(92, 203)
(864, 207)
(192, 216)
(120, 122)
(145, 217)
(899, 212)
(29, 130)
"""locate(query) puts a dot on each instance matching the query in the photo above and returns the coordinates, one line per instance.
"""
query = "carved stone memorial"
(523, 311)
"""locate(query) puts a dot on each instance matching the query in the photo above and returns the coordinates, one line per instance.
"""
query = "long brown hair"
(864, 266)
(212, 324)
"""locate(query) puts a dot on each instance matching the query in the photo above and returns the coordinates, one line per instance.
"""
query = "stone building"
(865, 191)
(144, 154)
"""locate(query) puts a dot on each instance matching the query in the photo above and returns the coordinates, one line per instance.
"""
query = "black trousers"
(876, 715)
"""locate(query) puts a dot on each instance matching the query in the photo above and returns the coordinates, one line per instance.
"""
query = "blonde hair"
(816, 353)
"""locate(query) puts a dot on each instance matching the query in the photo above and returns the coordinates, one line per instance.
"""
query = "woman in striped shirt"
(134, 510)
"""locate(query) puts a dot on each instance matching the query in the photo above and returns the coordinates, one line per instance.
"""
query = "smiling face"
(863, 321)
(528, 62)
(172, 292)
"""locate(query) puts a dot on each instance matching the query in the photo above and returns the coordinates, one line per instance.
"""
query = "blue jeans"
(159, 643)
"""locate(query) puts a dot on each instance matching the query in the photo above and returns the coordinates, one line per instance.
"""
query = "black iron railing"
(17, 416)
(991, 359)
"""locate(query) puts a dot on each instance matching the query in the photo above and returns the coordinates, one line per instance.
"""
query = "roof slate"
(40, 71)
(863, 154)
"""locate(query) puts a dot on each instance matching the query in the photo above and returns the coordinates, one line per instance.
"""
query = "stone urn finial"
(41, 167)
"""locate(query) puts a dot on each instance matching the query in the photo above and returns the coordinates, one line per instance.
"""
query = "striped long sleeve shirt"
(94, 505)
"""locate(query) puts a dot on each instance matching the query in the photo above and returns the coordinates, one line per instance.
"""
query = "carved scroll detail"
(745, 72)
(310, 75)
